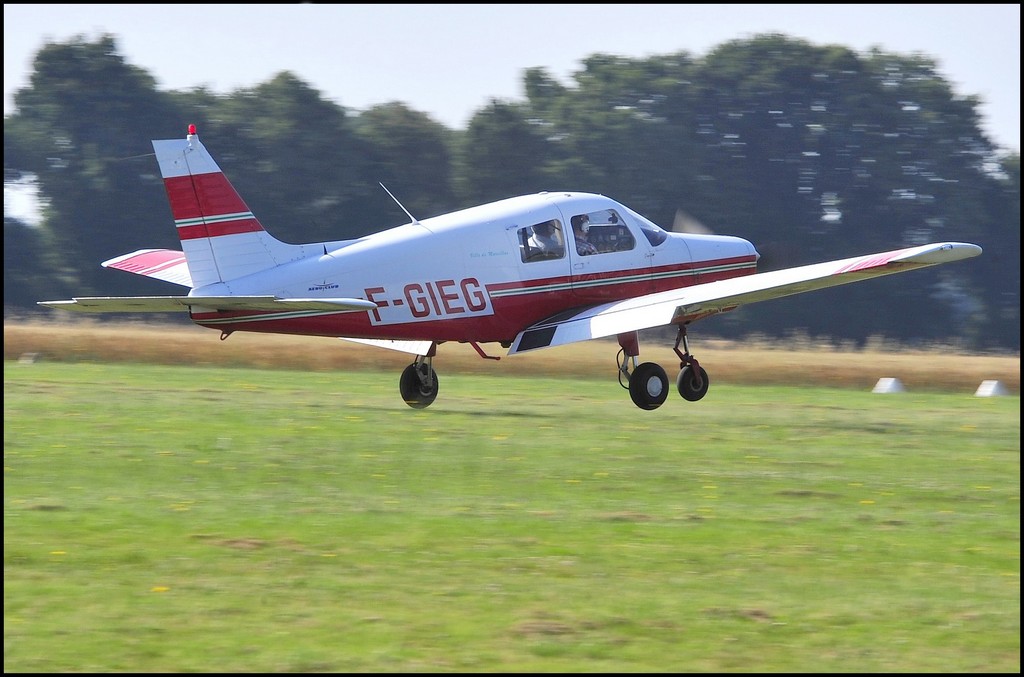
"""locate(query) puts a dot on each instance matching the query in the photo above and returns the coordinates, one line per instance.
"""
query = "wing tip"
(945, 252)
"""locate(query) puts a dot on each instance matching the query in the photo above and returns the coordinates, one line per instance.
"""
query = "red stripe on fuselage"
(528, 284)
(510, 316)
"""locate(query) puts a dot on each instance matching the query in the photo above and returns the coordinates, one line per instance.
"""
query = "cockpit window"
(603, 231)
(652, 231)
(542, 241)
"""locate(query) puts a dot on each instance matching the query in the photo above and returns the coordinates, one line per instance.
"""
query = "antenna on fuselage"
(414, 219)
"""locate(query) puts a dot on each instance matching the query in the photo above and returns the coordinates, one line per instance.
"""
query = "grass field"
(230, 519)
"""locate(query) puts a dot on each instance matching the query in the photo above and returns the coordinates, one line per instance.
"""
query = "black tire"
(648, 386)
(692, 384)
(414, 392)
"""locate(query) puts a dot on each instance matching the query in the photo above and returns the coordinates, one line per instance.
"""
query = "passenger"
(545, 241)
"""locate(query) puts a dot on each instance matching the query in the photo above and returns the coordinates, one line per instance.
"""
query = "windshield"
(652, 231)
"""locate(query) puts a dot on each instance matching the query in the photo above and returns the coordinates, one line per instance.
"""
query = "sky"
(448, 61)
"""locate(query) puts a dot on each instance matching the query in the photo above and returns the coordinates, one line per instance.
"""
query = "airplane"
(507, 272)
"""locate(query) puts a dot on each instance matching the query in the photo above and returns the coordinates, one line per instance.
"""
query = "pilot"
(580, 228)
(544, 239)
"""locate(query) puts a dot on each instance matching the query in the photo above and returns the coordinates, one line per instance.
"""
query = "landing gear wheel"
(692, 383)
(648, 386)
(418, 385)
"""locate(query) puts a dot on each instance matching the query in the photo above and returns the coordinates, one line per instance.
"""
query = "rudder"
(221, 238)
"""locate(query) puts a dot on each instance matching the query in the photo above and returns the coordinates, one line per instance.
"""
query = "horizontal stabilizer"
(170, 304)
(163, 264)
(686, 304)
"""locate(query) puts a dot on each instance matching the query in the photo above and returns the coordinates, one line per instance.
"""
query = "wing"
(170, 304)
(697, 301)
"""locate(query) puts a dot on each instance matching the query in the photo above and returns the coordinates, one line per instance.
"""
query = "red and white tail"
(220, 237)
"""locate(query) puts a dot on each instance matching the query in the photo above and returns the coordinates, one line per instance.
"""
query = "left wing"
(170, 304)
(691, 303)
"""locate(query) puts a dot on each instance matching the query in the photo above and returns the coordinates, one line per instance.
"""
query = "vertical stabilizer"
(221, 238)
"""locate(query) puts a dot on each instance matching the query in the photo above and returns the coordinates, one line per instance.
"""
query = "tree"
(823, 154)
(22, 273)
(613, 134)
(85, 120)
(502, 154)
(293, 157)
(410, 154)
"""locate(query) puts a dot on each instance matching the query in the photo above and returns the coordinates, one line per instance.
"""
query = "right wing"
(686, 304)
(170, 304)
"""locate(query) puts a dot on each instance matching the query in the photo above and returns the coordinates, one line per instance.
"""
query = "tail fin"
(221, 238)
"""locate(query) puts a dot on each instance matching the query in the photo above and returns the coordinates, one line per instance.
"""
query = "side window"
(542, 241)
(608, 233)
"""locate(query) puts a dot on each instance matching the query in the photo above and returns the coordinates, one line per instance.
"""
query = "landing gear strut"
(418, 383)
(692, 381)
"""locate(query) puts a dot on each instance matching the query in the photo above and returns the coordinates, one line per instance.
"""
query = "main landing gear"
(648, 382)
(418, 383)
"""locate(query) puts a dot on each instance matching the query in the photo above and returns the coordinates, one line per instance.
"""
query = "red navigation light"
(191, 129)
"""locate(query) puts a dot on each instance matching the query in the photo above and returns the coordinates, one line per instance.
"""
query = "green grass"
(209, 519)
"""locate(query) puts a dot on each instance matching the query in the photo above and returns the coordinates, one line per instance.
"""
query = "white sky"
(450, 60)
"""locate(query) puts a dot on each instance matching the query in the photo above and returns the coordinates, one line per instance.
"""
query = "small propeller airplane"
(526, 272)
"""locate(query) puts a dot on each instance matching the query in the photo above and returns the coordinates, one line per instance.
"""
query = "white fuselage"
(465, 275)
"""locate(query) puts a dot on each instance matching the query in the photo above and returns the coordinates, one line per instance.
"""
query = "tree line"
(811, 152)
